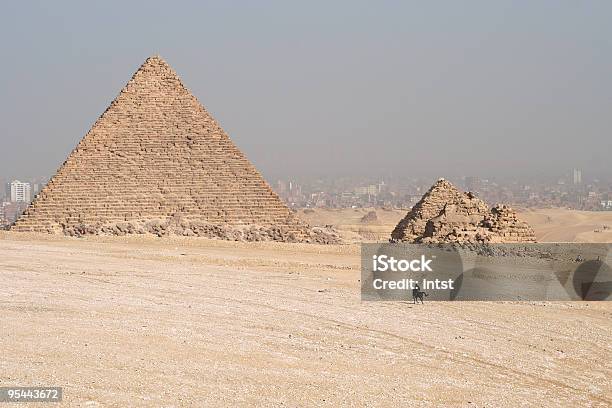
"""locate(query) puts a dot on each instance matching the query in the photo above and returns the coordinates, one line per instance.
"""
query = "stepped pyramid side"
(156, 154)
(507, 227)
(446, 215)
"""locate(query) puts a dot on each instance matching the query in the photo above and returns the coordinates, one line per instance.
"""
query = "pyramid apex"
(442, 182)
(155, 59)
(154, 66)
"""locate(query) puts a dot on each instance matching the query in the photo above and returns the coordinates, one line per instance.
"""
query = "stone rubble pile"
(505, 226)
(447, 215)
(250, 233)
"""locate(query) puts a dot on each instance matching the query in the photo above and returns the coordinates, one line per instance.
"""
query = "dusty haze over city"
(342, 88)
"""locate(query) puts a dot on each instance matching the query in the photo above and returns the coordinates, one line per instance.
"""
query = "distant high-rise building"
(472, 184)
(372, 190)
(20, 192)
(382, 187)
(577, 176)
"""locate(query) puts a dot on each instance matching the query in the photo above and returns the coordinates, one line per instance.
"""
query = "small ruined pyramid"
(157, 161)
(445, 214)
(370, 218)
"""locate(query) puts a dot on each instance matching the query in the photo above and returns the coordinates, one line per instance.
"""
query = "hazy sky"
(327, 88)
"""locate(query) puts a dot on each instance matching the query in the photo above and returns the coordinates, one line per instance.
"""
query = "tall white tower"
(20, 192)
(577, 176)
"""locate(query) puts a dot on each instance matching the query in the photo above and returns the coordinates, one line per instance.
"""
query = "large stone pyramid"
(157, 161)
(447, 215)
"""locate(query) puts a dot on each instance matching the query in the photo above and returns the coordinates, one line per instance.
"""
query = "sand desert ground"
(550, 224)
(143, 321)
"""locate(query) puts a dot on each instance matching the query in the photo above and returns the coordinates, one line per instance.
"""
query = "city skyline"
(569, 190)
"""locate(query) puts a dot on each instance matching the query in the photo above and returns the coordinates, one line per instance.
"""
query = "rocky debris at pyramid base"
(448, 215)
(227, 232)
